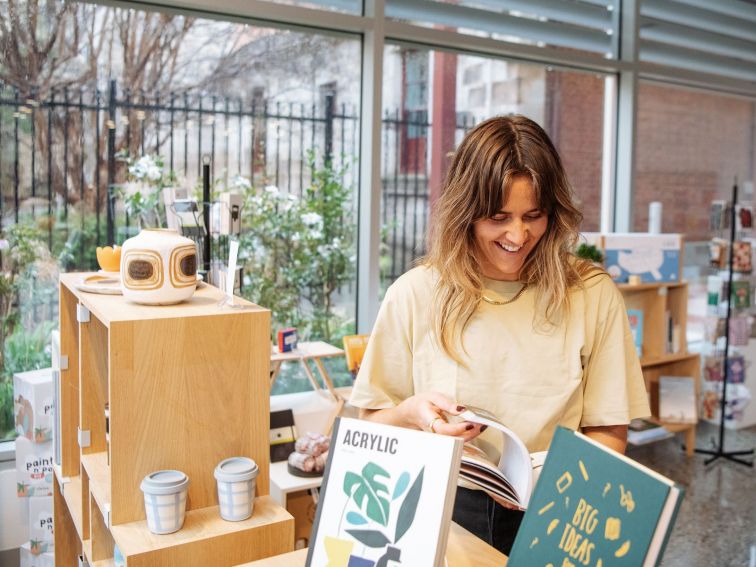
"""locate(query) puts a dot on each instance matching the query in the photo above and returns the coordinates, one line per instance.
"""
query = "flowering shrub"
(299, 251)
(145, 179)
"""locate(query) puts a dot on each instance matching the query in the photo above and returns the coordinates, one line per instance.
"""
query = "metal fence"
(59, 158)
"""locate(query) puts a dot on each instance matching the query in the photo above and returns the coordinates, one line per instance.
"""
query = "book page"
(515, 462)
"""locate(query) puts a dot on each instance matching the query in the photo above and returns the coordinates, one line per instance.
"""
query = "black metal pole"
(720, 452)
(206, 212)
(110, 199)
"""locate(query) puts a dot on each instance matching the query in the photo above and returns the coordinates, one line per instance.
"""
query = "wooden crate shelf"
(647, 362)
(96, 465)
(186, 386)
(72, 496)
(657, 301)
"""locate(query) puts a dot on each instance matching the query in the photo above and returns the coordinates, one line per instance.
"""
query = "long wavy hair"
(478, 182)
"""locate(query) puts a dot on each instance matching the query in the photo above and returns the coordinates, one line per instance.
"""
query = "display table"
(282, 482)
(315, 351)
(462, 550)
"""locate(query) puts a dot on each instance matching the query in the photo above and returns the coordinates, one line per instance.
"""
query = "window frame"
(375, 29)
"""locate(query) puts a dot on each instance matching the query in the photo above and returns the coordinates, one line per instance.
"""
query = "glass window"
(459, 91)
(691, 146)
(124, 103)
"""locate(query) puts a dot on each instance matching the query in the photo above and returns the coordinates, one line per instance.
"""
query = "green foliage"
(25, 260)
(298, 252)
(23, 351)
(27, 350)
(21, 247)
(75, 238)
(7, 427)
(589, 252)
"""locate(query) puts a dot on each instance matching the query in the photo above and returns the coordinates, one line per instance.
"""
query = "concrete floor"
(716, 525)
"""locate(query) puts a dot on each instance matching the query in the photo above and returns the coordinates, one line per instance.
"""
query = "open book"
(511, 481)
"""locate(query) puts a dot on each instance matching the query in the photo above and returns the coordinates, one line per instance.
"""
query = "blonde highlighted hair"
(477, 185)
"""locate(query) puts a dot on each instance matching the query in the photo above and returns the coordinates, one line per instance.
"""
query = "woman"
(500, 315)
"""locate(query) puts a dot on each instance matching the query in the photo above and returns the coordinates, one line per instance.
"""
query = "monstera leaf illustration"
(409, 507)
(369, 493)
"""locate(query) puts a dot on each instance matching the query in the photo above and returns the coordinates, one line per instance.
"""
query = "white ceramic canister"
(158, 267)
(165, 500)
(236, 487)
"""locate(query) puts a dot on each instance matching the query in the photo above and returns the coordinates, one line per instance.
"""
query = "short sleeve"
(614, 391)
(385, 376)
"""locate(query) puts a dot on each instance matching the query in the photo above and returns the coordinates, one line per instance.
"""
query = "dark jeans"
(477, 512)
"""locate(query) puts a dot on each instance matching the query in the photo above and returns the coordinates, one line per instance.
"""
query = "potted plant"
(590, 252)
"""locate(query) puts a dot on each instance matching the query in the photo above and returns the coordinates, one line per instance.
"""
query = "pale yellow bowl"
(109, 258)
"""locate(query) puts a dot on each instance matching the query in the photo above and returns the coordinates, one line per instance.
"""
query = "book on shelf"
(635, 318)
(509, 481)
(387, 495)
(644, 431)
(594, 506)
(677, 399)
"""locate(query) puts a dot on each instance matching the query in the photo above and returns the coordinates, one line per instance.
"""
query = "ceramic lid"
(236, 469)
(164, 482)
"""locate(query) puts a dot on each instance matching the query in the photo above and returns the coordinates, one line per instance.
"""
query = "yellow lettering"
(583, 552)
(575, 544)
(585, 517)
(579, 511)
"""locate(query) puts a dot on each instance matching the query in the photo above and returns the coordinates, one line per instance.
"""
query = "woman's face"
(504, 241)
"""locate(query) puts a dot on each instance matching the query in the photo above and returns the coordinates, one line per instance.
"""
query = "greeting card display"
(741, 261)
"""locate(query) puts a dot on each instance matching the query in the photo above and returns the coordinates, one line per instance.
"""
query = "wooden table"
(306, 351)
(462, 550)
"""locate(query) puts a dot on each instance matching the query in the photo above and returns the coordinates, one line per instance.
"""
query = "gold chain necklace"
(506, 301)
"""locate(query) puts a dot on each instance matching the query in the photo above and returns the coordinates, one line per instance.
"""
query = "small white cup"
(236, 487)
(165, 500)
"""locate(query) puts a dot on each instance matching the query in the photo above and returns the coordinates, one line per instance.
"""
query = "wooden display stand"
(656, 300)
(187, 386)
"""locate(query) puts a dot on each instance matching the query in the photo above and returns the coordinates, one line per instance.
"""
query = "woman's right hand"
(426, 412)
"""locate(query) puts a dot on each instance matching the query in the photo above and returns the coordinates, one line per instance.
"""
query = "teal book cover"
(595, 507)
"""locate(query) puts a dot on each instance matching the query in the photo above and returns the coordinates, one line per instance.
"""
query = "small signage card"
(387, 497)
(594, 506)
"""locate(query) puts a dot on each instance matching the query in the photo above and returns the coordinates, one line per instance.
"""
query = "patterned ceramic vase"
(158, 267)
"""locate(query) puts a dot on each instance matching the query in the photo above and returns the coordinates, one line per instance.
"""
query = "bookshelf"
(664, 349)
(186, 386)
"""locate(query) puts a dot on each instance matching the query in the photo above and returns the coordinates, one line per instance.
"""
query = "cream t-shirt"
(582, 372)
